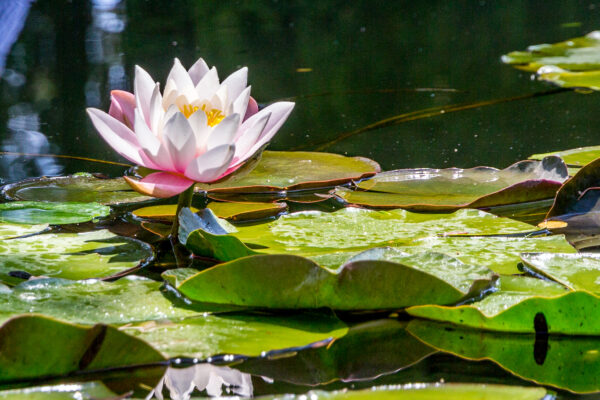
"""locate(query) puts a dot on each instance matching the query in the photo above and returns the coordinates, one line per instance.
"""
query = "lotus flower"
(197, 130)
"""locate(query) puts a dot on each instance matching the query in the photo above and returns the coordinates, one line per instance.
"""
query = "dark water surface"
(346, 64)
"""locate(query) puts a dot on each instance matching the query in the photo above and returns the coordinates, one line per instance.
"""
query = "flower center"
(213, 117)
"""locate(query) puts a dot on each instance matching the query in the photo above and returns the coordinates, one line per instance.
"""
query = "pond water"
(347, 66)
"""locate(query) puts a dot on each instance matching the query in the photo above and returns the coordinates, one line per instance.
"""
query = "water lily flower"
(197, 130)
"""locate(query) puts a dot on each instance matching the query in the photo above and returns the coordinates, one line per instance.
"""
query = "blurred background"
(346, 65)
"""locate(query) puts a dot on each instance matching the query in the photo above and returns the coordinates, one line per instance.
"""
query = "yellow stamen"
(213, 117)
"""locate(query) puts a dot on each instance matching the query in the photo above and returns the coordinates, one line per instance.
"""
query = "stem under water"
(185, 200)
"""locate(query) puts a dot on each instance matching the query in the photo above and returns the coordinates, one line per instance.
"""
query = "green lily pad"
(83, 188)
(235, 211)
(34, 346)
(240, 334)
(290, 171)
(569, 363)
(575, 271)
(367, 351)
(88, 302)
(568, 79)
(433, 391)
(8, 230)
(72, 255)
(366, 282)
(332, 238)
(524, 305)
(37, 212)
(578, 157)
(72, 391)
(450, 189)
(577, 54)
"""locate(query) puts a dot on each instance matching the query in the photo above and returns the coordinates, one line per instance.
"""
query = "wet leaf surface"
(248, 334)
(524, 305)
(72, 255)
(577, 157)
(332, 238)
(237, 211)
(74, 188)
(72, 391)
(37, 212)
(286, 170)
(450, 189)
(569, 363)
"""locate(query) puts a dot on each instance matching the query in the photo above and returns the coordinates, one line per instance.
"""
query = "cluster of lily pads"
(277, 265)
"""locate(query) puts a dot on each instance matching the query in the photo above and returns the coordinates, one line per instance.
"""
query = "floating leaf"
(332, 238)
(241, 334)
(74, 188)
(367, 351)
(72, 255)
(290, 171)
(72, 391)
(8, 230)
(578, 157)
(37, 212)
(571, 363)
(369, 281)
(450, 189)
(524, 305)
(89, 302)
(567, 79)
(435, 391)
(577, 54)
(574, 271)
(34, 346)
(232, 211)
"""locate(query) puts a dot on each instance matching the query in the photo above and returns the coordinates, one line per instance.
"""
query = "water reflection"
(217, 381)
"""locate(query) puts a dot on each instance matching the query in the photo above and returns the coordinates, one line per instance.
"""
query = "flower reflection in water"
(217, 381)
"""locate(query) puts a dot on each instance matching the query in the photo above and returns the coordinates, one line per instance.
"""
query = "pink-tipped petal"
(249, 138)
(279, 113)
(143, 86)
(160, 184)
(116, 134)
(198, 70)
(236, 82)
(122, 104)
(180, 140)
(224, 133)
(209, 166)
(152, 148)
(251, 109)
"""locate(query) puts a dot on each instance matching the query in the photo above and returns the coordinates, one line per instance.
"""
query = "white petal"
(143, 85)
(219, 100)
(198, 70)
(156, 109)
(146, 138)
(116, 134)
(170, 93)
(240, 104)
(224, 133)
(180, 140)
(279, 113)
(249, 137)
(198, 122)
(210, 165)
(208, 85)
(236, 82)
(182, 79)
